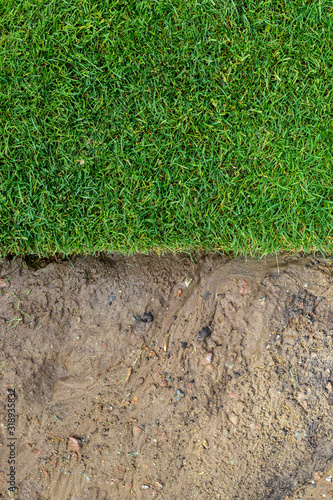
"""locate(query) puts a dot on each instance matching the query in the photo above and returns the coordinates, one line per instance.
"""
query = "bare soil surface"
(167, 377)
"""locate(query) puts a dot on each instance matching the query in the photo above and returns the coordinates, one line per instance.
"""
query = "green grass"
(201, 124)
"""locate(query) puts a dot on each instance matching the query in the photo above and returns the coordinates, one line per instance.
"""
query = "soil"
(171, 377)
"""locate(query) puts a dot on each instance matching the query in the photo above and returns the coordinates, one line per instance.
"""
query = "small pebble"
(207, 359)
(112, 298)
(233, 419)
(76, 442)
(136, 430)
(188, 281)
(205, 444)
(179, 395)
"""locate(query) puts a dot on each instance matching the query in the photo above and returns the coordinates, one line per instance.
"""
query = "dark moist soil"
(168, 377)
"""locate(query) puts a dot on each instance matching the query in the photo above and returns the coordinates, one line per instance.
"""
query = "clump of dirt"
(167, 377)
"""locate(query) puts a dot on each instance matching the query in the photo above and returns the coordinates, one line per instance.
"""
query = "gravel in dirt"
(127, 388)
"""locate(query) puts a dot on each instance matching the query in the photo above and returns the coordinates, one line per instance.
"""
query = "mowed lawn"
(166, 124)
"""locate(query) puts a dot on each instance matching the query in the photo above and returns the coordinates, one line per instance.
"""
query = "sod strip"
(156, 125)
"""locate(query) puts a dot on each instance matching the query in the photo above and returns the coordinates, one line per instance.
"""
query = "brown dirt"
(167, 377)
